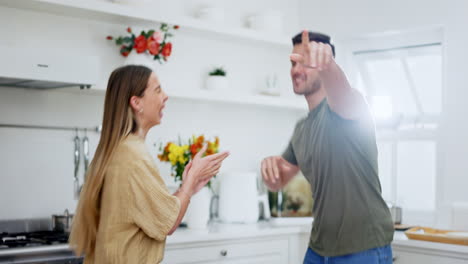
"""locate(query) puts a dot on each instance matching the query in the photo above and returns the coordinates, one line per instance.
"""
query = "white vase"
(219, 83)
(198, 212)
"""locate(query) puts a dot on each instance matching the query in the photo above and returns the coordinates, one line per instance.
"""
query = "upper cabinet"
(256, 61)
(131, 14)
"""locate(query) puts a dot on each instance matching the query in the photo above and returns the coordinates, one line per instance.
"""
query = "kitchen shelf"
(218, 97)
(129, 14)
(256, 100)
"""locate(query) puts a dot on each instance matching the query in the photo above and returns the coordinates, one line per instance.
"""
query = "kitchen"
(38, 164)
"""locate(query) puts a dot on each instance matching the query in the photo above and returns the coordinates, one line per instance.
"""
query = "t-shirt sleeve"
(289, 154)
(154, 210)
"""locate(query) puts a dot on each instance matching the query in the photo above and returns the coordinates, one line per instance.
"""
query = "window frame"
(387, 130)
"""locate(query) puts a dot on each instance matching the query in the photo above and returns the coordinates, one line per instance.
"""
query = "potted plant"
(217, 80)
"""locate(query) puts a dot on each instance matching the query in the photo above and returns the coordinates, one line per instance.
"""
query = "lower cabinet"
(270, 250)
(420, 257)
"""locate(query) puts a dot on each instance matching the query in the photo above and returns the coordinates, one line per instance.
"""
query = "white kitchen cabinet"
(251, 250)
(116, 13)
(406, 257)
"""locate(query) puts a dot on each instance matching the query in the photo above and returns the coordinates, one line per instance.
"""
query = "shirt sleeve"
(289, 154)
(154, 210)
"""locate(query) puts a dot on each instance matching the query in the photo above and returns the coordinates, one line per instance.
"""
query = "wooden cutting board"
(436, 235)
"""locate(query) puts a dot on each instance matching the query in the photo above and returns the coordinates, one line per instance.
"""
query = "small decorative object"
(152, 42)
(217, 80)
(132, 2)
(269, 21)
(179, 155)
(211, 14)
(271, 85)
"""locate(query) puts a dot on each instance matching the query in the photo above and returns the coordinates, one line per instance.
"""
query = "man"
(335, 148)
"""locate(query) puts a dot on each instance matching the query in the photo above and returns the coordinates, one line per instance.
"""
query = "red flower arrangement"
(152, 42)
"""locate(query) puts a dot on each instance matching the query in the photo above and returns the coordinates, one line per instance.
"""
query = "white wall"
(36, 166)
(351, 19)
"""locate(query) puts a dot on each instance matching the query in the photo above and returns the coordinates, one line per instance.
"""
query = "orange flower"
(200, 139)
(165, 155)
(194, 148)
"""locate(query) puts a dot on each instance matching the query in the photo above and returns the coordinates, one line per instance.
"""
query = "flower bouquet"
(152, 42)
(179, 155)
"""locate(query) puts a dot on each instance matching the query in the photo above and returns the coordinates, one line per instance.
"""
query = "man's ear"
(135, 103)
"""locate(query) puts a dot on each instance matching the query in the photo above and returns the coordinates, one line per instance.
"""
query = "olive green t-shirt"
(339, 159)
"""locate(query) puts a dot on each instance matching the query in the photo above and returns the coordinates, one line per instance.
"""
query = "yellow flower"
(177, 154)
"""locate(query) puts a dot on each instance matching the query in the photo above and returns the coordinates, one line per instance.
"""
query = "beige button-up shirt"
(137, 211)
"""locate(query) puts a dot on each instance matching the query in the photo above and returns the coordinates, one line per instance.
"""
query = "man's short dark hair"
(314, 36)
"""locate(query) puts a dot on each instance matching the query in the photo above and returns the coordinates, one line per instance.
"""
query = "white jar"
(218, 83)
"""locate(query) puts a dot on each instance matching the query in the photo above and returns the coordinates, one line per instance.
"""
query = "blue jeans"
(381, 255)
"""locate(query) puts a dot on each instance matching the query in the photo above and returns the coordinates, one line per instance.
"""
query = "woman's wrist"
(184, 190)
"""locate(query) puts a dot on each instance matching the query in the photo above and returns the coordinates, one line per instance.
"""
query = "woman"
(125, 211)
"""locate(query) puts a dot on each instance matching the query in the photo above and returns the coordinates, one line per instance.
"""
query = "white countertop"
(219, 231)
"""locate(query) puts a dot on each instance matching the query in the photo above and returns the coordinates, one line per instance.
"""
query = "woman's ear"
(135, 103)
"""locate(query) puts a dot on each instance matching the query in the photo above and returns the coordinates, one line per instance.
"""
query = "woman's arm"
(184, 199)
(196, 175)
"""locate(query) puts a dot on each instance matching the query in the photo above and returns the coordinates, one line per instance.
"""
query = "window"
(403, 84)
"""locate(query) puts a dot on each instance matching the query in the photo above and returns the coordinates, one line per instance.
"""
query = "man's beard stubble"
(315, 87)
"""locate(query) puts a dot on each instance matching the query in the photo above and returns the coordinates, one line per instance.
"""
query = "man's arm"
(277, 172)
(343, 100)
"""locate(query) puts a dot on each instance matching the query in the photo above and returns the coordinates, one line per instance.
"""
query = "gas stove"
(36, 247)
(32, 239)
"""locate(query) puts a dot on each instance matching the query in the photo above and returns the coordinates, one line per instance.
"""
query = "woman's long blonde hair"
(118, 122)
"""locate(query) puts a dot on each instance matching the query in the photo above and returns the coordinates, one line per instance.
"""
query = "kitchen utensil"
(85, 155)
(239, 200)
(76, 153)
(396, 213)
(436, 235)
(62, 223)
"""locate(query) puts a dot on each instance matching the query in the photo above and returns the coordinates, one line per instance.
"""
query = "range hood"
(39, 70)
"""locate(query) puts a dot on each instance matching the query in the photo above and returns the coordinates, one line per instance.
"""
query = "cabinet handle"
(223, 252)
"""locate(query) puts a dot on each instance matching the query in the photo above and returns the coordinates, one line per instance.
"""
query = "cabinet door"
(271, 259)
(418, 258)
(273, 250)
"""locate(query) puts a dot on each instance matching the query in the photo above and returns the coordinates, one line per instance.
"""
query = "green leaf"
(150, 33)
(127, 39)
(218, 71)
(118, 41)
